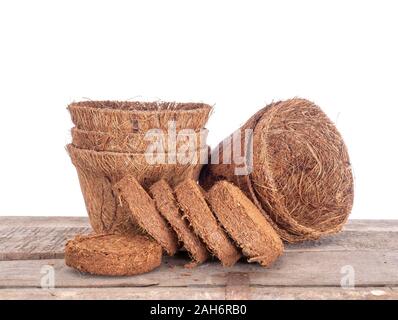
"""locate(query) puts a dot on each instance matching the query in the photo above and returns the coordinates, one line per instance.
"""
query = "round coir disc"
(167, 205)
(113, 255)
(244, 222)
(192, 201)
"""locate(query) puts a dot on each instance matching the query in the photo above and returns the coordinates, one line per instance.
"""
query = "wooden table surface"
(364, 257)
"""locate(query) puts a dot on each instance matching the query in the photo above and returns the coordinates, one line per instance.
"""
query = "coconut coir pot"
(138, 142)
(298, 171)
(136, 116)
(99, 171)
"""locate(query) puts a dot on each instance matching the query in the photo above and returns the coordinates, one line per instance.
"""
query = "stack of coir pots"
(112, 139)
(139, 164)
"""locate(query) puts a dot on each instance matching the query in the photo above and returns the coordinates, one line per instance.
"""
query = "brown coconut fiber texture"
(302, 169)
(116, 165)
(98, 171)
(143, 210)
(245, 223)
(191, 199)
(166, 203)
(301, 174)
(134, 142)
(136, 116)
(104, 210)
(212, 173)
(208, 178)
(113, 255)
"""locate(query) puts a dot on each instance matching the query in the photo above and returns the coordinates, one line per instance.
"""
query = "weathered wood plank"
(114, 294)
(25, 238)
(350, 241)
(330, 293)
(24, 243)
(268, 293)
(371, 268)
(28, 221)
(37, 238)
(237, 286)
(372, 225)
(310, 270)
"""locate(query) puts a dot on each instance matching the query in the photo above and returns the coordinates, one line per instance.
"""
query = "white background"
(343, 55)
